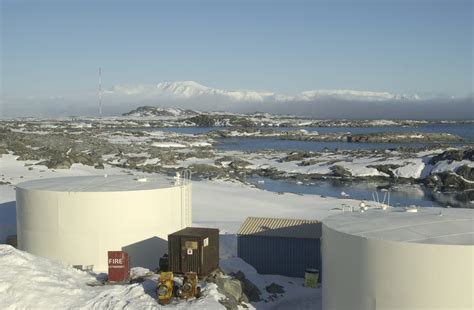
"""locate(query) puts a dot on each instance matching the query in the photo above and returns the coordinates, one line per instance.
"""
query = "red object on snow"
(118, 266)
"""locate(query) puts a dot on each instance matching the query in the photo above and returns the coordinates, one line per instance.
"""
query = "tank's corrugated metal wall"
(55, 224)
(279, 255)
(363, 273)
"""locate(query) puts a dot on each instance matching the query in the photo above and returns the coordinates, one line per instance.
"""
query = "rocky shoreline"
(58, 146)
(304, 135)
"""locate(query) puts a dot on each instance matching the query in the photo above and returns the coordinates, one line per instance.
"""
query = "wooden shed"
(194, 249)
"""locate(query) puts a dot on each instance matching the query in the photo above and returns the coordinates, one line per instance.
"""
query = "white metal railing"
(386, 198)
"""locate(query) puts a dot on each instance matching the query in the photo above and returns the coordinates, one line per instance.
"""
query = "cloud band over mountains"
(191, 95)
(191, 89)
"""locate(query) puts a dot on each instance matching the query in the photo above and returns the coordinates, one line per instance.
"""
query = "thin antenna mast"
(100, 93)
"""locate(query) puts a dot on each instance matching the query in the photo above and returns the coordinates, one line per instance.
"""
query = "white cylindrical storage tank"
(398, 260)
(78, 219)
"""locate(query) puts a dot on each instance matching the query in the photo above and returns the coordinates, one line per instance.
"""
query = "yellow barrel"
(311, 277)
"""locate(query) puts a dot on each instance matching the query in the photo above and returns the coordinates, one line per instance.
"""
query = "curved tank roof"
(98, 183)
(428, 225)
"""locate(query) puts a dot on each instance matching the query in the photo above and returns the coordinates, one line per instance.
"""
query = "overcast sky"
(51, 50)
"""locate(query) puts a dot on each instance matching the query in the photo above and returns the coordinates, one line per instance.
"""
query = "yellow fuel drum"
(164, 290)
(190, 286)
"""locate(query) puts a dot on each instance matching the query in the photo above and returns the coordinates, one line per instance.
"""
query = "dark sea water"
(188, 130)
(465, 131)
(400, 195)
(258, 144)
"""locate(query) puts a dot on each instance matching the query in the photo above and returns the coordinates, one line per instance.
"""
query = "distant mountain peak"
(184, 89)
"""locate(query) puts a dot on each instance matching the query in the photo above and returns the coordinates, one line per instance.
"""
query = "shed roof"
(278, 227)
(196, 232)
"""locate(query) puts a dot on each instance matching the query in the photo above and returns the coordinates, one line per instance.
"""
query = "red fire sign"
(118, 266)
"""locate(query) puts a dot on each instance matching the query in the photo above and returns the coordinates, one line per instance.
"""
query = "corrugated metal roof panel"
(277, 227)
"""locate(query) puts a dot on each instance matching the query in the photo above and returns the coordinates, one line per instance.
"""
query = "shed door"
(190, 253)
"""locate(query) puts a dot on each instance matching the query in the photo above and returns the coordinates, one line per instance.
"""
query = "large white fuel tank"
(78, 219)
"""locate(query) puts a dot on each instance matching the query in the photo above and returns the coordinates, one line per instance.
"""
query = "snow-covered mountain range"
(191, 89)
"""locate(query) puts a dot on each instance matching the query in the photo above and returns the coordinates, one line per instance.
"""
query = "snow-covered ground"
(27, 281)
(414, 165)
(229, 202)
(31, 282)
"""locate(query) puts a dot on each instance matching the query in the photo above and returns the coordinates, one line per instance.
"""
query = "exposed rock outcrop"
(339, 171)
(457, 155)
(466, 172)
(249, 289)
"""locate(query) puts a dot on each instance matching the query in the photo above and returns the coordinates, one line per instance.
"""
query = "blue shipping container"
(280, 255)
